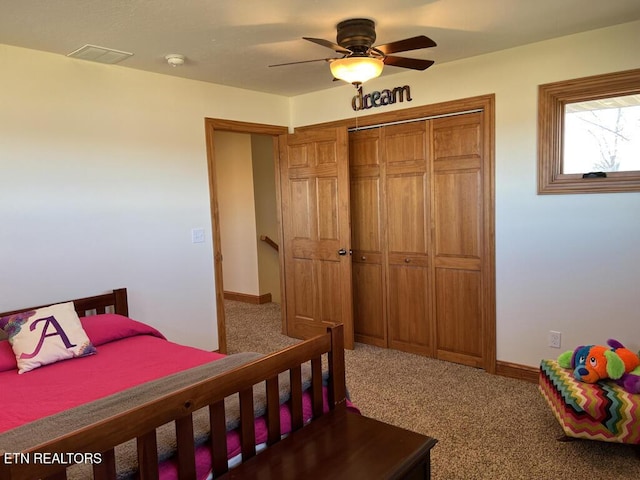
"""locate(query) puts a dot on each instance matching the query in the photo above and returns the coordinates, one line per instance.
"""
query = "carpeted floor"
(487, 426)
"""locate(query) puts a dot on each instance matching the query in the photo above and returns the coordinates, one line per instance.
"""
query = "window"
(589, 134)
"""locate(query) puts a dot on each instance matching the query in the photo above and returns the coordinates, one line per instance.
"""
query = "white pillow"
(46, 335)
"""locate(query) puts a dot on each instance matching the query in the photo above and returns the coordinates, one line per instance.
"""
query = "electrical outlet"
(555, 339)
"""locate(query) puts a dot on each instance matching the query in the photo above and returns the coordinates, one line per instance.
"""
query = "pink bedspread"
(129, 353)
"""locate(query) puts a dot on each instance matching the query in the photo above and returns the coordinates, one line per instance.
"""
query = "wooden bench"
(342, 445)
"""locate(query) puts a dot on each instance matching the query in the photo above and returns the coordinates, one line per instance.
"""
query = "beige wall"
(236, 204)
(103, 175)
(563, 262)
(266, 214)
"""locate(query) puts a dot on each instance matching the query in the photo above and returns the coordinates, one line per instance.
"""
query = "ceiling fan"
(361, 60)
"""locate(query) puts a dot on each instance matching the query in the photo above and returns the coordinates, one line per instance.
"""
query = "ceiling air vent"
(94, 53)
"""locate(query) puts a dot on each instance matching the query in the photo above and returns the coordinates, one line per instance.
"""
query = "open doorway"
(243, 210)
(248, 216)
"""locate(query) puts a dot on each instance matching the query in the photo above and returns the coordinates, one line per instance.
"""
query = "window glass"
(602, 135)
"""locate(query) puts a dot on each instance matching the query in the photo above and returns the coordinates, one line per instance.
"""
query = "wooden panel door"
(367, 233)
(458, 237)
(407, 211)
(314, 195)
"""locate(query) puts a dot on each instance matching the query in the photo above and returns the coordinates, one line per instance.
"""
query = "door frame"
(212, 125)
(460, 106)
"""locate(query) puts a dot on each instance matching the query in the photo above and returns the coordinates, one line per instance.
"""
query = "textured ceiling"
(232, 42)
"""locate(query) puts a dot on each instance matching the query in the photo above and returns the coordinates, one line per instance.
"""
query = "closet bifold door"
(366, 172)
(458, 226)
(406, 159)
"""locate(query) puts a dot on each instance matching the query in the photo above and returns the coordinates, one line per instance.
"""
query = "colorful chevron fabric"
(600, 411)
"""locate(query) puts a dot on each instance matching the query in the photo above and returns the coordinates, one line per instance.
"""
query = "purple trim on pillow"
(12, 324)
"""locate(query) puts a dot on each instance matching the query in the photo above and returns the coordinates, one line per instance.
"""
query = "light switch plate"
(197, 235)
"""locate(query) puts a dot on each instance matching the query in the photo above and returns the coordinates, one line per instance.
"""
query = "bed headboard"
(117, 299)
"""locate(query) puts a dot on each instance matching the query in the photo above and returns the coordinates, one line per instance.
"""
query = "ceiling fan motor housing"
(355, 38)
(356, 34)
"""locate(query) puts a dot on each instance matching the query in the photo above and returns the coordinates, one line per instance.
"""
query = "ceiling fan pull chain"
(358, 92)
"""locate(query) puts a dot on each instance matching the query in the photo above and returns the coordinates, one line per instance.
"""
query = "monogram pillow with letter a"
(46, 335)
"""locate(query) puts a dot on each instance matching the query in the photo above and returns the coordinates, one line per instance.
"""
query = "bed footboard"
(140, 423)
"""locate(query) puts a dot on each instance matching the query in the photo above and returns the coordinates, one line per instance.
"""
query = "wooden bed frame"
(140, 423)
(337, 444)
(116, 300)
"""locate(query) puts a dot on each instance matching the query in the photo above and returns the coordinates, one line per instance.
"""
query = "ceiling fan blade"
(328, 44)
(413, 43)
(302, 61)
(413, 63)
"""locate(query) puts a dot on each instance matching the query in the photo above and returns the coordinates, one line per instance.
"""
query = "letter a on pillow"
(46, 335)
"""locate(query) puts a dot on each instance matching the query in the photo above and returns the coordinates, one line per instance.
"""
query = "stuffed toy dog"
(591, 363)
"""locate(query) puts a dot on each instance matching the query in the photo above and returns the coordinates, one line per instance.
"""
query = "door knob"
(342, 251)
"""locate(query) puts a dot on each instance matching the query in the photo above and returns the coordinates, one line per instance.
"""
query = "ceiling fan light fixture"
(356, 70)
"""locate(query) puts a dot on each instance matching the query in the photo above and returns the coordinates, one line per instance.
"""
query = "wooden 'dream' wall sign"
(380, 99)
